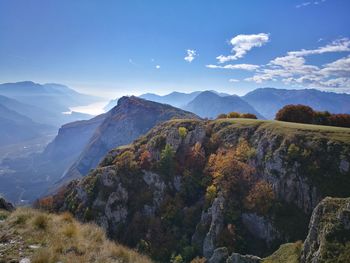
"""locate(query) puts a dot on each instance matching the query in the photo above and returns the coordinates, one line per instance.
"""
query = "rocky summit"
(131, 118)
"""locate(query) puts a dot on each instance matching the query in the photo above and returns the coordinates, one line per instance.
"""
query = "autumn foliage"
(145, 160)
(305, 114)
(296, 113)
(260, 197)
(237, 115)
(45, 203)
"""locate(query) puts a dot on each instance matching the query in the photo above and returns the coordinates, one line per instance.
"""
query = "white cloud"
(304, 4)
(233, 80)
(339, 68)
(157, 66)
(293, 69)
(191, 54)
(340, 45)
(242, 44)
(249, 67)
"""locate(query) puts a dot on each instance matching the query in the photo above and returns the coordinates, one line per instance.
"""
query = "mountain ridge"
(210, 105)
(152, 113)
(269, 100)
(46, 102)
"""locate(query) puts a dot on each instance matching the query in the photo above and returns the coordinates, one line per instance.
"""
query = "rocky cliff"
(131, 118)
(328, 239)
(6, 205)
(189, 187)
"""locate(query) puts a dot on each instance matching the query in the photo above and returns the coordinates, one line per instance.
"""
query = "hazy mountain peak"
(209, 104)
(128, 120)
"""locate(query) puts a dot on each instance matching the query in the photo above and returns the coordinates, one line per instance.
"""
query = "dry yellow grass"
(46, 238)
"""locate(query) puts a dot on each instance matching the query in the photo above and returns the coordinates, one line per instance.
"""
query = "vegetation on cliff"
(191, 186)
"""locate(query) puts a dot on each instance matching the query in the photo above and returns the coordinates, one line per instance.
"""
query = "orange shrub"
(195, 158)
(233, 115)
(248, 116)
(295, 113)
(145, 160)
(45, 203)
(260, 197)
(231, 175)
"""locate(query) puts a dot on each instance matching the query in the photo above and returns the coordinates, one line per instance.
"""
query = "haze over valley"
(175, 131)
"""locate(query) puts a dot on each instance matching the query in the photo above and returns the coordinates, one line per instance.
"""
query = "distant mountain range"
(54, 97)
(15, 127)
(209, 104)
(176, 99)
(264, 102)
(268, 101)
(46, 104)
(79, 146)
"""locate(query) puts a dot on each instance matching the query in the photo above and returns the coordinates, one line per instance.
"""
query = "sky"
(111, 48)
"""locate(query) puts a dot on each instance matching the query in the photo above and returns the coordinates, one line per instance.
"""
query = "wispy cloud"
(304, 4)
(233, 80)
(241, 44)
(249, 67)
(157, 66)
(339, 45)
(191, 54)
(293, 69)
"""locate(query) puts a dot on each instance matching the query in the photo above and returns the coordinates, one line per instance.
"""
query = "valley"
(174, 131)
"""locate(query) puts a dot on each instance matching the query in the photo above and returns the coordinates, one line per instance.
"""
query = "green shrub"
(167, 162)
(210, 193)
(244, 151)
(233, 115)
(293, 151)
(176, 259)
(183, 132)
(126, 161)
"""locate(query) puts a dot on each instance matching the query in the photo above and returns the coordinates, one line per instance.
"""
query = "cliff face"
(303, 163)
(328, 239)
(66, 147)
(189, 187)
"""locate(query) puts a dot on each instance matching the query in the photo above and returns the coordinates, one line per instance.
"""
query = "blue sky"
(115, 47)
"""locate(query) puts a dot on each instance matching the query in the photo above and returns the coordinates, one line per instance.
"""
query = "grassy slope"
(49, 238)
(287, 253)
(330, 132)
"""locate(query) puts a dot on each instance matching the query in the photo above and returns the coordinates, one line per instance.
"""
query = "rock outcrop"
(221, 255)
(6, 205)
(328, 239)
(238, 258)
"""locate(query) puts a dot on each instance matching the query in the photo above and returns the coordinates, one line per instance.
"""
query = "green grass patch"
(335, 133)
(287, 253)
